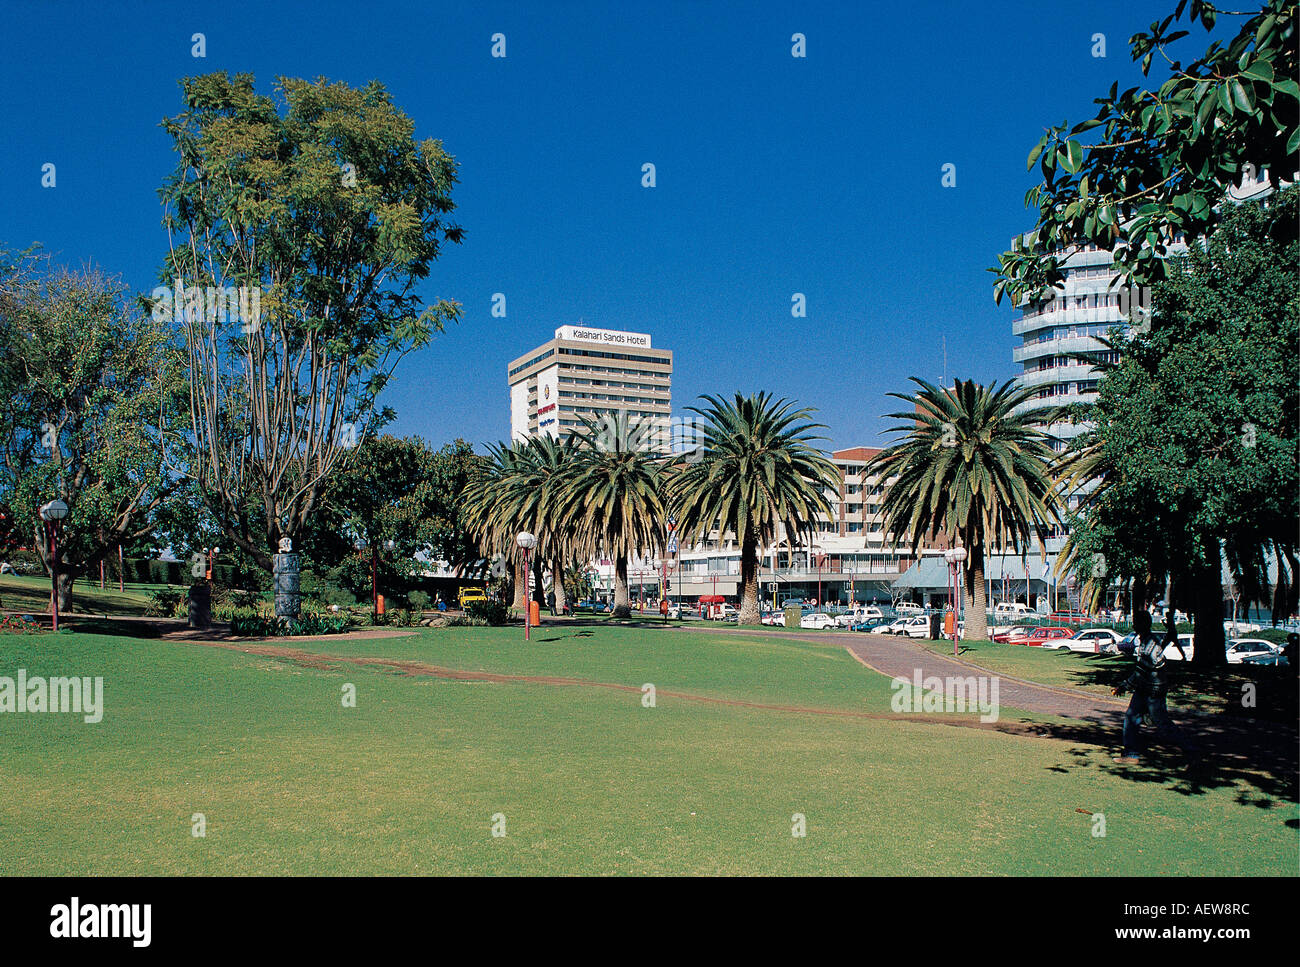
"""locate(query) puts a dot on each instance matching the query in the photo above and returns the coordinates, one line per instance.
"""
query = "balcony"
(1057, 374)
(1056, 347)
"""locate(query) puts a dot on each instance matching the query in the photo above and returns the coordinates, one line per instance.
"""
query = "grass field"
(32, 593)
(588, 780)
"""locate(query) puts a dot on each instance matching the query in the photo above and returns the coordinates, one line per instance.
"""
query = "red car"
(1017, 635)
(1040, 635)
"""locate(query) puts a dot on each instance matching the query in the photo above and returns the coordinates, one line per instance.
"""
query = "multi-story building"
(847, 557)
(587, 372)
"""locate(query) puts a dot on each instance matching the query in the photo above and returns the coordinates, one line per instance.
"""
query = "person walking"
(1149, 684)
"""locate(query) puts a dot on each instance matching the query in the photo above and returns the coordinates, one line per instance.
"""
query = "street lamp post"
(52, 513)
(954, 556)
(527, 542)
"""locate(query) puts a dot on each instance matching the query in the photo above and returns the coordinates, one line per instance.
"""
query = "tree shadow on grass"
(576, 634)
(1258, 759)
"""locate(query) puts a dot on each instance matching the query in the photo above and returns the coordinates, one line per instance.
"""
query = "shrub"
(419, 600)
(258, 625)
(167, 603)
(25, 562)
(489, 612)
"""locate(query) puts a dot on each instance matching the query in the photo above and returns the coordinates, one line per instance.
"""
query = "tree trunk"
(539, 586)
(557, 582)
(622, 609)
(749, 614)
(1281, 590)
(65, 592)
(1207, 591)
(520, 583)
(973, 597)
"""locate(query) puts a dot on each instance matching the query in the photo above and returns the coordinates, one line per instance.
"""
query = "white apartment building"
(588, 372)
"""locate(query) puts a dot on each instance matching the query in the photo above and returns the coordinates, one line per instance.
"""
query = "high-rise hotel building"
(586, 372)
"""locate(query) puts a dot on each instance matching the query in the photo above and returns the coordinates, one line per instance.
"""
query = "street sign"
(672, 544)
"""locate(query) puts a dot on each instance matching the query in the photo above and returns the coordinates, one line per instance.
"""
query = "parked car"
(1239, 649)
(876, 625)
(917, 627)
(1011, 609)
(1089, 640)
(1040, 636)
(818, 620)
(1015, 635)
(908, 608)
(467, 595)
(1273, 659)
(848, 619)
(1171, 653)
(725, 612)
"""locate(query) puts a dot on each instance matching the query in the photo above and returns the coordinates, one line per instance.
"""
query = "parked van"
(1011, 609)
(908, 608)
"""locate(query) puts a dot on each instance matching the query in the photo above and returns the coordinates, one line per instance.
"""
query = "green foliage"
(1195, 444)
(419, 600)
(86, 380)
(757, 467)
(489, 612)
(165, 602)
(246, 623)
(1153, 165)
(971, 469)
(321, 199)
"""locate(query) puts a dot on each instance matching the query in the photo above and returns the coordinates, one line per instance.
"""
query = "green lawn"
(589, 780)
(31, 593)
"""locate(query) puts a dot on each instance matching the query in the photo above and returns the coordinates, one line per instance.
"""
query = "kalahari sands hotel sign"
(586, 372)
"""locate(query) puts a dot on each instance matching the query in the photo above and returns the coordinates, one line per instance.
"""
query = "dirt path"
(310, 659)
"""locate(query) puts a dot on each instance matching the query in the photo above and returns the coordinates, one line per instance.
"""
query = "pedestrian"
(1149, 684)
(550, 602)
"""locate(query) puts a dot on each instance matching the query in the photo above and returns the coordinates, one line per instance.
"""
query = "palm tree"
(756, 468)
(971, 469)
(516, 491)
(492, 519)
(611, 501)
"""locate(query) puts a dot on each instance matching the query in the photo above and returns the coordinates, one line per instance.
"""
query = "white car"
(1240, 649)
(1171, 653)
(849, 618)
(916, 626)
(1089, 640)
(908, 608)
(1012, 610)
(817, 620)
(919, 627)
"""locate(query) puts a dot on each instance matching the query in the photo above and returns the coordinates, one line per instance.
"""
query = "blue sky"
(775, 175)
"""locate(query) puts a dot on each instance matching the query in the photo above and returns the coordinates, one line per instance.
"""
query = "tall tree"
(1195, 445)
(1153, 165)
(612, 502)
(86, 380)
(971, 469)
(300, 228)
(756, 468)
